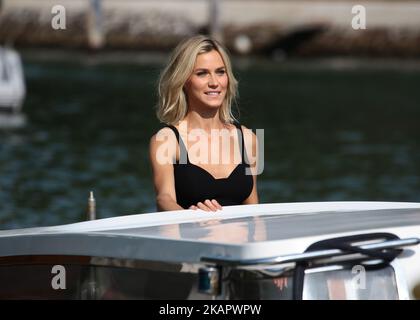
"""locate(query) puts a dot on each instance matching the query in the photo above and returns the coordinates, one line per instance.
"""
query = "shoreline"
(140, 57)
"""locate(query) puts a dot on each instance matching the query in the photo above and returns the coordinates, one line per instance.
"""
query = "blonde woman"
(201, 159)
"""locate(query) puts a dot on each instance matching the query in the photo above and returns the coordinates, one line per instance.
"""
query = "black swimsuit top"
(193, 184)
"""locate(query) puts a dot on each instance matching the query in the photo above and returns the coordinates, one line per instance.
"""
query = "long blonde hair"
(172, 106)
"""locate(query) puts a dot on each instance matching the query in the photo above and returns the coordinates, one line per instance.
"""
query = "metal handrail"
(313, 255)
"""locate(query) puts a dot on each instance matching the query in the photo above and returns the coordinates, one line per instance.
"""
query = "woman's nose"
(213, 81)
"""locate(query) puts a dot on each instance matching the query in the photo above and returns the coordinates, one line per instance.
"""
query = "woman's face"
(208, 83)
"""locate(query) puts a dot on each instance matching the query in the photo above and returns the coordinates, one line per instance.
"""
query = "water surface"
(333, 131)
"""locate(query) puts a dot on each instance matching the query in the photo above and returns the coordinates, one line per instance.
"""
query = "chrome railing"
(307, 256)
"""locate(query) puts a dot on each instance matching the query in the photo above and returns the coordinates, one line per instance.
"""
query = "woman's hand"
(281, 282)
(207, 205)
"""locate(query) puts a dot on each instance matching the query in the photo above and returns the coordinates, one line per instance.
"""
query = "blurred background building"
(299, 27)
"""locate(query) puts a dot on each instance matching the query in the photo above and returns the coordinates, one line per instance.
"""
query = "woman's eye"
(221, 72)
(200, 74)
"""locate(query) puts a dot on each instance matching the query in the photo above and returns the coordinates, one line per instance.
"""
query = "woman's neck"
(203, 120)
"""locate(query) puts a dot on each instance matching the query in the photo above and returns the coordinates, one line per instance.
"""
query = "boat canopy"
(236, 232)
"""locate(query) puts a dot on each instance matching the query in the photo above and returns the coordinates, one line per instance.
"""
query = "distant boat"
(309, 250)
(12, 88)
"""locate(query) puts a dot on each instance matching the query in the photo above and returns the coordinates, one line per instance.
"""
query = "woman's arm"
(251, 148)
(163, 170)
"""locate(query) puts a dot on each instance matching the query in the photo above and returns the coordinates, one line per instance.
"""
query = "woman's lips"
(212, 93)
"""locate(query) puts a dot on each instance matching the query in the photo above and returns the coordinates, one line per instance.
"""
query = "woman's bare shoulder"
(162, 135)
(250, 140)
(248, 133)
(163, 144)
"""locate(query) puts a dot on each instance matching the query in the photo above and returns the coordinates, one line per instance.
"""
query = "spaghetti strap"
(183, 153)
(241, 140)
(174, 129)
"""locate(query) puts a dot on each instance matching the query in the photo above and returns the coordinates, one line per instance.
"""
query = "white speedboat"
(12, 85)
(320, 250)
(12, 89)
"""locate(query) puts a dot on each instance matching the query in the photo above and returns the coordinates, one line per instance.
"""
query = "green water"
(331, 134)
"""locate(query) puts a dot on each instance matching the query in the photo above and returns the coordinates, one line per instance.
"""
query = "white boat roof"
(236, 232)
